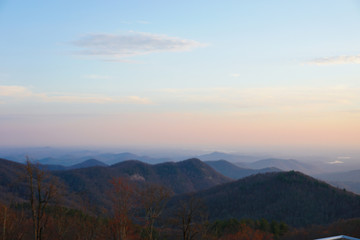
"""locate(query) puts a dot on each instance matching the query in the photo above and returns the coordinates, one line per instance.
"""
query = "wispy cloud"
(336, 162)
(289, 99)
(20, 93)
(14, 91)
(95, 99)
(336, 60)
(115, 47)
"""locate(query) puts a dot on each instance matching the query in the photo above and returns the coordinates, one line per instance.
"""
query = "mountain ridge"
(292, 197)
(235, 172)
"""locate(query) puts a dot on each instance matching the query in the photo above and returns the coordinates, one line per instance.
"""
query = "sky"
(200, 73)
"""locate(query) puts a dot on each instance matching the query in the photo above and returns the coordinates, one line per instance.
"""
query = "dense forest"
(143, 201)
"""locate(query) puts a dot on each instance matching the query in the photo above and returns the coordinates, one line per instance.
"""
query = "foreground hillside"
(292, 197)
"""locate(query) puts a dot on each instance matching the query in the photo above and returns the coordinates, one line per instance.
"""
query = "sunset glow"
(130, 73)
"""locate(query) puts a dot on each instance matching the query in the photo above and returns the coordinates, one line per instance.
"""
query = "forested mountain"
(231, 170)
(11, 180)
(181, 177)
(94, 182)
(292, 197)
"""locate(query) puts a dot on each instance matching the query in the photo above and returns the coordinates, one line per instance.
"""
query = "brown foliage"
(349, 227)
(123, 202)
(247, 233)
(13, 223)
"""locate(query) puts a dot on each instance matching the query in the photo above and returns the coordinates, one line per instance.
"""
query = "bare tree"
(153, 199)
(190, 217)
(42, 191)
(123, 201)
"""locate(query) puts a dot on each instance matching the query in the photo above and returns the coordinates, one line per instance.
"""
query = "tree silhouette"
(153, 199)
(42, 191)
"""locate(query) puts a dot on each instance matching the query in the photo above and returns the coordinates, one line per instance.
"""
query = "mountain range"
(283, 164)
(107, 158)
(84, 164)
(291, 197)
(94, 182)
(235, 172)
(228, 157)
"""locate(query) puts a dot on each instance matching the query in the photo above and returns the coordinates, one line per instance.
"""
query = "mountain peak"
(292, 197)
(88, 163)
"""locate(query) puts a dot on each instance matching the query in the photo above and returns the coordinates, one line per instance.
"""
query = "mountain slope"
(283, 164)
(11, 179)
(292, 197)
(231, 170)
(185, 176)
(84, 164)
(88, 163)
(180, 177)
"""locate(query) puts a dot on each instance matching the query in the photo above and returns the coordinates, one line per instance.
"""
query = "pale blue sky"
(141, 61)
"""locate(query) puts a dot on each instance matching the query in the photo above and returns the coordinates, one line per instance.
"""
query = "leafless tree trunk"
(153, 199)
(41, 193)
(190, 218)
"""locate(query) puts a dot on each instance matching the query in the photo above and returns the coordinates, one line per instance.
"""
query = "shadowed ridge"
(292, 197)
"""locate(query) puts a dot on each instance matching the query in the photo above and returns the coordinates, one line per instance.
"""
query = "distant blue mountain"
(231, 170)
(283, 164)
(107, 158)
(350, 180)
(88, 163)
(228, 157)
(85, 164)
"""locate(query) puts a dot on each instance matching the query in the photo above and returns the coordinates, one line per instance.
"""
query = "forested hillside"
(292, 197)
